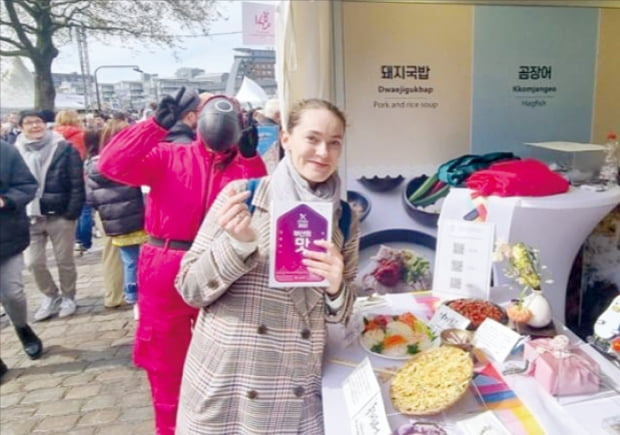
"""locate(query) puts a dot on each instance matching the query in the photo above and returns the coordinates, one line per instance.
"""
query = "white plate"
(403, 357)
(434, 342)
(422, 244)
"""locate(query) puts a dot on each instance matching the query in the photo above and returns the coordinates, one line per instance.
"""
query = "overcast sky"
(214, 53)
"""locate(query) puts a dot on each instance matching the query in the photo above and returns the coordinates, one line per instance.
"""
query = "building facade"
(258, 65)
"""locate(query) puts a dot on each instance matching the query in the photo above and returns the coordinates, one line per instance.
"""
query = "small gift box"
(560, 368)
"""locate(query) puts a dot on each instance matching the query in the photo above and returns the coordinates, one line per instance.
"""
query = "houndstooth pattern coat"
(254, 364)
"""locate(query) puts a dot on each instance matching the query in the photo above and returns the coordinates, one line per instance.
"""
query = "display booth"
(423, 83)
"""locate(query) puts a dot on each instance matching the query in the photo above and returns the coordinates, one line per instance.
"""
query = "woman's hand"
(235, 218)
(328, 265)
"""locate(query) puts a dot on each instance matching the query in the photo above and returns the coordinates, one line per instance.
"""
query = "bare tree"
(35, 28)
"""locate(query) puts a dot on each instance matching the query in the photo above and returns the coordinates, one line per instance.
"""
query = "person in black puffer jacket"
(121, 208)
(53, 212)
(17, 188)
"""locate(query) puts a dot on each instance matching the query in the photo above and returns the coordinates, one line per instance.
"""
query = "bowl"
(381, 184)
(457, 337)
(359, 202)
(428, 219)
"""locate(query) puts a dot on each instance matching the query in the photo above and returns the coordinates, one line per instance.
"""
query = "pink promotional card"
(294, 227)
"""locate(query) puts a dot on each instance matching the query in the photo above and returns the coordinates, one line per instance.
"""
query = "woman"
(111, 264)
(69, 125)
(121, 209)
(254, 363)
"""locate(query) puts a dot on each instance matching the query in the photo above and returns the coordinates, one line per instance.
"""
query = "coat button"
(262, 329)
(252, 394)
(212, 283)
(298, 391)
(305, 334)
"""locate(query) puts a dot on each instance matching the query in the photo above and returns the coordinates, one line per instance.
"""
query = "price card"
(364, 402)
(463, 260)
(446, 318)
(295, 226)
(495, 339)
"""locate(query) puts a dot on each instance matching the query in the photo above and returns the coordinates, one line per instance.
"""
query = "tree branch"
(67, 20)
(24, 5)
(16, 25)
(8, 53)
(10, 41)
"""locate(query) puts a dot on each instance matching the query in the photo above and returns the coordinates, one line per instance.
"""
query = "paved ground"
(85, 382)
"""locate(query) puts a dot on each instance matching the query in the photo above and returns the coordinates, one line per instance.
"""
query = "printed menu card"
(463, 260)
(364, 402)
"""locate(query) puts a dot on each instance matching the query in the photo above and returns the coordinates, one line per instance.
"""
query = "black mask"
(219, 123)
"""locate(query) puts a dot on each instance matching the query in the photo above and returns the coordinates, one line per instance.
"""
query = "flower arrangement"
(523, 266)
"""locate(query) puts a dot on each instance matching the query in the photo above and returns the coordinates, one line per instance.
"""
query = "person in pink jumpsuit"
(184, 181)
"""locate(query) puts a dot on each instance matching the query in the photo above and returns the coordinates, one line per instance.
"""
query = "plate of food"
(395, 336)
(477, 310)
(432, 381)
(395, 261)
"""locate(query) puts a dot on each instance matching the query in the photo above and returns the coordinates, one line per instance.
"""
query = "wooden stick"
(353, 364)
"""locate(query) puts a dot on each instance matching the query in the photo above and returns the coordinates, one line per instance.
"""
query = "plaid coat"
(254, 364)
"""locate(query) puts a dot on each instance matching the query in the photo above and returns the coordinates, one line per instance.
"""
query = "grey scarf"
(287, 184)
(38, 156)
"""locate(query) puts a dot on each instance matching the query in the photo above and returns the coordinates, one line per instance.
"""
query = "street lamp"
(136, 68)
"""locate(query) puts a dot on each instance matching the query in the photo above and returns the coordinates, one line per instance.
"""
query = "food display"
(394, 267)
(432, 381)
(477, 310)
(396, 336)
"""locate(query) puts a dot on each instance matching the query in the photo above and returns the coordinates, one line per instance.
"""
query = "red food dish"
(477, 310)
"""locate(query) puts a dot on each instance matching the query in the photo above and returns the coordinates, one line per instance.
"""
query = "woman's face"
(315, 144)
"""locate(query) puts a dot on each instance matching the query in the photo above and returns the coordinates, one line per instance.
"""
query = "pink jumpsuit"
(184, 181)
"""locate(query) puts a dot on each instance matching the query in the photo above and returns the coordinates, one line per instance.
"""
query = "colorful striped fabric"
(499, 398)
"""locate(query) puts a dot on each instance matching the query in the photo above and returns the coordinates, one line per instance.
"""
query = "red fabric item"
(527, 177)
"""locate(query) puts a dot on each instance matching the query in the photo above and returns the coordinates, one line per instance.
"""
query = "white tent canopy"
(304, 52)
(16, 85)
(251, 93)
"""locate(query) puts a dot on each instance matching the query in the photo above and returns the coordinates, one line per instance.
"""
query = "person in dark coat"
(53, 212)
(17, 188)
(121, 208)
(10, 133)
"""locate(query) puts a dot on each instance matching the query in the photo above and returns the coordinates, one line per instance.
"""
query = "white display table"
(577, 418)
(556, 225)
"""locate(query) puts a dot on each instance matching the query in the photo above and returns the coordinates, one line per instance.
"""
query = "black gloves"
(170, 108)
(248, 141)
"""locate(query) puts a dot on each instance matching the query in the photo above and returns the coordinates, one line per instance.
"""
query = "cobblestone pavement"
(85, 382)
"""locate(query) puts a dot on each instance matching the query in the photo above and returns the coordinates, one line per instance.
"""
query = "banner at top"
(258, 24)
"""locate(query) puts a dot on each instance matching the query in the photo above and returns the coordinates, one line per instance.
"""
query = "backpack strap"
(344, 223)
(252, 185)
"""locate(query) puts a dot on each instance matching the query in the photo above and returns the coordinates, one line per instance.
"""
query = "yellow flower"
(522, 264)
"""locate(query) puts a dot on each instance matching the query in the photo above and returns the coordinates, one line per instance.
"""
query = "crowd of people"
(187, 241)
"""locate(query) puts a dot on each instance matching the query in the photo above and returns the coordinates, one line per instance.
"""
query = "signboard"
(407, 91)
(258, 22)
(533, 78)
